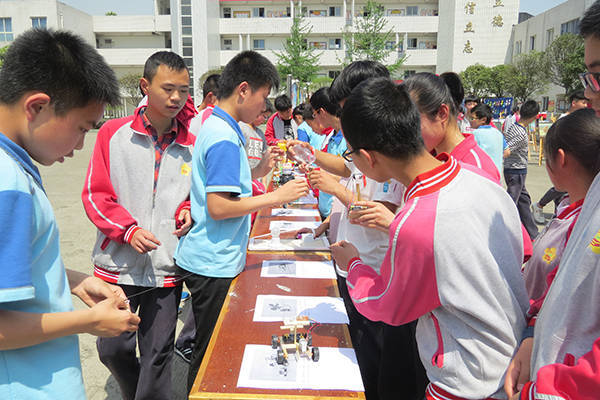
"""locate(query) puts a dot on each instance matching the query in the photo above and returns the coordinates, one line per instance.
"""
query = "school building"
(538, 32)
(435, 35)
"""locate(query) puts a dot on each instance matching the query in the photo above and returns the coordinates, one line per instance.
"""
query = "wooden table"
(218, 374)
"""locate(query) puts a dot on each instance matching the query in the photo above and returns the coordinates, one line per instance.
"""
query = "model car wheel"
(315, 354)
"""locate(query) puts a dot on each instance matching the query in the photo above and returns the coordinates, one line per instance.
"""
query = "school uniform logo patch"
(595, 243)
(549, 255)
(185, 169)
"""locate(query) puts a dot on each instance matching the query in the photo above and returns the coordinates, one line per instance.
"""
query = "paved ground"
(63, 184)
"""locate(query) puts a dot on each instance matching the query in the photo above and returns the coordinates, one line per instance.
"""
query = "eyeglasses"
(346, 154)
(590, 80)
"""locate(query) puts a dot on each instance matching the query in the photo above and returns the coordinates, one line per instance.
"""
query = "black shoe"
(185, 354)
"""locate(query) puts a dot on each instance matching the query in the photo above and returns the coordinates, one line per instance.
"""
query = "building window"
(38, 22)
(187, 51)
(186, 21)
(412, 10)
(258, 12)
(334, 74)
(335, 44)
(188, 61)
(186, 2)
(227, 44)
(226, 12)
(518, 47)
(6, 32)
(258, 44)
(549, 37)
(412, 43)
(532, 42)
(186, 10)
(390, 45)
(409, 73)
(570, 27)
(334, 11)
(108, 43)
(186, 30)
(187, 41)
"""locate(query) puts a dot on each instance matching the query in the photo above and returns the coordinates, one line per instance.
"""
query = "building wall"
(131, 41)
(76, 21)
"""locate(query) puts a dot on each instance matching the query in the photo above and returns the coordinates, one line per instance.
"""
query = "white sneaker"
(538, 213)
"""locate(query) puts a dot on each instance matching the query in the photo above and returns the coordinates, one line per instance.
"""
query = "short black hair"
(455, 85)
(471, 97)
(59, 64)
(590, 23)
(578, 134)
(352, 75)
(283, 103)
(320, 99)
(380, 115)
(299, 109)
(247, 66)
(577, 95)
(211, 84)
(167, 58)
(482, 110)
(529, 109)
(269, 106)
(429, 92)
(307, 113)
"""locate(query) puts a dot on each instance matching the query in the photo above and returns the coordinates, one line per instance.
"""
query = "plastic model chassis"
(294, 342)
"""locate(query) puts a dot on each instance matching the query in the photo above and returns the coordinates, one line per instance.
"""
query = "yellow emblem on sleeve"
(595, 243)
(549, 254)
(185, 169)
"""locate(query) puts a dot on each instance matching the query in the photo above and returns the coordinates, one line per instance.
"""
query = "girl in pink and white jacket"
(571, 148)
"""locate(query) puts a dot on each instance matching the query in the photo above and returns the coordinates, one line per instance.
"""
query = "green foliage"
(319, 82)
(499, 77)
(565, 61)
(297, 58)
(3, 51)
(367, 41)
(527, 75)
(110, 13)
(476, 80)
(130, 85)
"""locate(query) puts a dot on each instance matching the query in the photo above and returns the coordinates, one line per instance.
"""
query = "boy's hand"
(185, 222)
(375, 216)
(342, 252)
(111, 317)
(144, 241)
(517, 374)
(267, 162)
(317, 231)
(291, 143)
(93, 290)
(323, 181)
(291, 191)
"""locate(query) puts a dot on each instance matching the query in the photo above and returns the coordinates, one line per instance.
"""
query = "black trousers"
(208, 296)
(515, 186)
(387, 355)
(148, 377)
(552, 195)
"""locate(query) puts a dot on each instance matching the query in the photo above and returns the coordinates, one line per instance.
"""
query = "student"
(298, 113)
(209, 91)
(281, 125)
(515, 165)
(435, 270)
(143, 156)
(487, 137)
(566, 343)
(47, 105)
(214, 250)
(511, 119)
(577, 101)
(457, 91)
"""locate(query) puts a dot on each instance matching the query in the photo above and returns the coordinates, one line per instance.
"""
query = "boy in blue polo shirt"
(214, 250)
(54, 89)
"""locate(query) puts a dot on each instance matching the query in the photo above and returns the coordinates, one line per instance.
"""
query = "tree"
(498, 80)
(565, 61)
(297, 58)
(3, 51)
(368, 38)
(110, 13)
(130, 85)
(527, 75)
(476, 80)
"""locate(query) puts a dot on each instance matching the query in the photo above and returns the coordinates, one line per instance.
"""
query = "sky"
(138, 7)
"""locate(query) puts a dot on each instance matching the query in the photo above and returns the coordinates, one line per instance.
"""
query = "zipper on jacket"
(438, 357)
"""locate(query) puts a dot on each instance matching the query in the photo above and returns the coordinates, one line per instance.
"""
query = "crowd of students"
(445, 295)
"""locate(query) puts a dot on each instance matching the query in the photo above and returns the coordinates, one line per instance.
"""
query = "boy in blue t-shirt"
(214, 250)
(54, 89)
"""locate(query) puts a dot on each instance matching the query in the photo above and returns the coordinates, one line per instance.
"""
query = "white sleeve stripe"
(477, 160)
(89, 187)
(392, 256)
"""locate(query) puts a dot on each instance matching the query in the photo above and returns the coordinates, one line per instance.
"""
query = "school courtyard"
(64, 182)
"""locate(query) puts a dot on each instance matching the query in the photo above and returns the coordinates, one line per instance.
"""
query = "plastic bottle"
(304, 154)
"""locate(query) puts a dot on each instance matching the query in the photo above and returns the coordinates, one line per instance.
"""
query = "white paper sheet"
(294, 212)
(305, 243)
(298, 269)
(285, 226)
(322, 309)
(337, 369)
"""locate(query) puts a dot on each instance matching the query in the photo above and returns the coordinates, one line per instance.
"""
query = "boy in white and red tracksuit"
(137, 179)
(454, 254)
